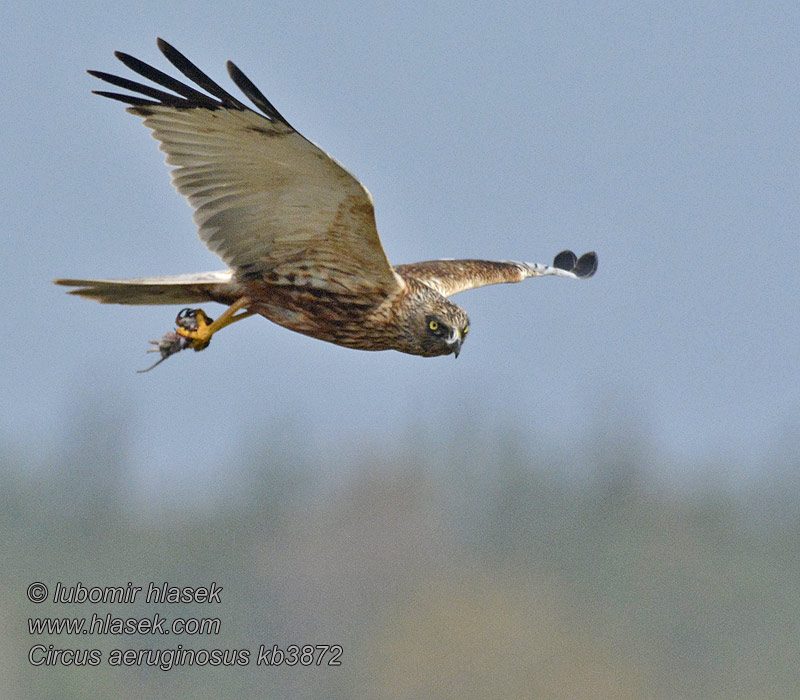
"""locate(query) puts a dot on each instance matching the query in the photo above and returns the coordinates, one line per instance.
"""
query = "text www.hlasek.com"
(49, 655)
(110, 624)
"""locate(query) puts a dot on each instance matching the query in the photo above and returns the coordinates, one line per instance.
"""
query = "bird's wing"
(449, 277)
(266, 200)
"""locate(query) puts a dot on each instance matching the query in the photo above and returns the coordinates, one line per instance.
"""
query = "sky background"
(664, 136)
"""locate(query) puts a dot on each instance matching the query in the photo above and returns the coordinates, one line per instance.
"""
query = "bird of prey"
(295, 228)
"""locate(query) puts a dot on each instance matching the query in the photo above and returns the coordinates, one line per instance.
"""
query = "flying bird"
(296, 229)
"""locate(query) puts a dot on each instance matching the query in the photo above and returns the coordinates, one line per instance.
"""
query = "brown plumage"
(296, 229)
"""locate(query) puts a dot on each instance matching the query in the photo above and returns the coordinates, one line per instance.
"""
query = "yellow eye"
(433, 325)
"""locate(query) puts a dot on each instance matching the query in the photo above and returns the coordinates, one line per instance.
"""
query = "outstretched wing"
(449, 277)
(266, 200)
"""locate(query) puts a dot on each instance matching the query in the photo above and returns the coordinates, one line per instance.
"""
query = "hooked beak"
(455, 341)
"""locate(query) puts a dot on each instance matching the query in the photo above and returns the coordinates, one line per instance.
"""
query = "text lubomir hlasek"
(156, 593)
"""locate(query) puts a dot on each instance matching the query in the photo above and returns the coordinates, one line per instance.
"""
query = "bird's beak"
(455, 342)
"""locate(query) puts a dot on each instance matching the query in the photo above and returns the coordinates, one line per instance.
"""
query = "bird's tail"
(175, 289)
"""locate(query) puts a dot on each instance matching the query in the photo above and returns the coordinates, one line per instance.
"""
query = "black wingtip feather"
(167, 81)
(185, 97)
(586, 265)
(565, 260)
(253, 93)
(191, 71)
(162, 97)
(127, 99)
(582, 267)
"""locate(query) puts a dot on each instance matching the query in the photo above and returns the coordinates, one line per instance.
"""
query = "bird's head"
(439, 326)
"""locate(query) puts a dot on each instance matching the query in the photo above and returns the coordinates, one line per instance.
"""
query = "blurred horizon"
(490, 573)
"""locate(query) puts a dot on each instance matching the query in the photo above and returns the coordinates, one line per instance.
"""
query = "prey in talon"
(187, 322)
(192, 325)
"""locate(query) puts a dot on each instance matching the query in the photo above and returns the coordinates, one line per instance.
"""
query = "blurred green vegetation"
(456, 566)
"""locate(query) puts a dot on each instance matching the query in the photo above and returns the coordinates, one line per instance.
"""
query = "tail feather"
(176, 289)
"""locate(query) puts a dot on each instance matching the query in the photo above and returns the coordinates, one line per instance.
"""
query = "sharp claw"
(192, 319)
(188, 321)
(191, 324)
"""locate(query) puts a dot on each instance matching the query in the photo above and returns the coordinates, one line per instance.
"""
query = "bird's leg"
(193, 329)
(200, 336)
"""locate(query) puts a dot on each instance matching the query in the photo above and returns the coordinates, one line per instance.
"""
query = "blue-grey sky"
(666, 136)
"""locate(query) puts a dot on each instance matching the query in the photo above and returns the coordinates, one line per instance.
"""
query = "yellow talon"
(194, 325)
(201, 334)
